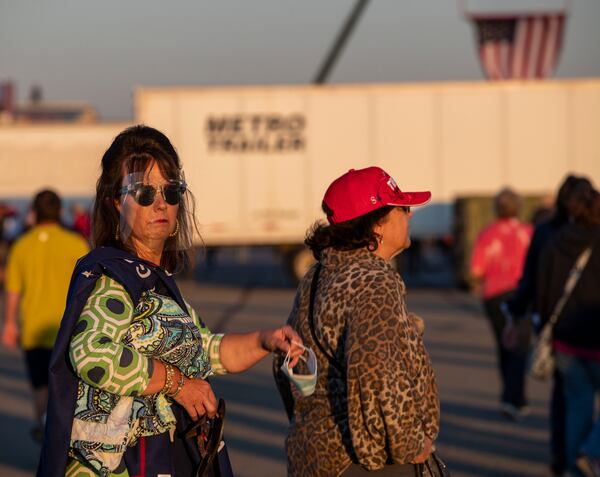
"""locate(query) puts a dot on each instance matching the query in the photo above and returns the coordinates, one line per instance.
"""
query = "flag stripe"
(559, 39)
(546, 53)
(551, 51)
(504, 54)
(527, 47)
(534, 47)
(519, 48)
(489, 61)
(539, 59)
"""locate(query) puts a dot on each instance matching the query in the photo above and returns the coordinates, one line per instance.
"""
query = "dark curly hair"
(133, 150)
(350, 235)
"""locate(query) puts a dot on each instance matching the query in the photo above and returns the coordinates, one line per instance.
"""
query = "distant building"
(39, 111)
(7, 98)
(55, 112)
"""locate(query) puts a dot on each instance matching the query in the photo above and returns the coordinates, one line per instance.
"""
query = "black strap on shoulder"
(311, 306)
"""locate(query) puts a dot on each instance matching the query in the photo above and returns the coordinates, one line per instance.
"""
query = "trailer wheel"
(299, 260)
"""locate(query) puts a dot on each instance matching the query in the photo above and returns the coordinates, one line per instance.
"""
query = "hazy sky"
(99, 51)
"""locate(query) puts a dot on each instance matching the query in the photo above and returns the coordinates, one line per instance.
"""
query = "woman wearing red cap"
(375, 406)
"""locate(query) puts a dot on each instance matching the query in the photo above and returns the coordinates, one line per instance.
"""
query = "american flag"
(519, 46)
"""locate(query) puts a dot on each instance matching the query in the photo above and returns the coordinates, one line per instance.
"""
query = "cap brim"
(412, 199)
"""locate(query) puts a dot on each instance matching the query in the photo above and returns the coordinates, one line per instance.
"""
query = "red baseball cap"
(360, 191)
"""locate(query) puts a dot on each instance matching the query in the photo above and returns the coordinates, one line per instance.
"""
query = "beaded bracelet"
(180, 384)
(169, 371)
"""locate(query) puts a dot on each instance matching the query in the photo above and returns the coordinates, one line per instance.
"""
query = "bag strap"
(311, 306)
(572, 280)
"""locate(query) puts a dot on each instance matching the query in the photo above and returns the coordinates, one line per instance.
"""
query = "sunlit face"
(150, 225)
(395, 232)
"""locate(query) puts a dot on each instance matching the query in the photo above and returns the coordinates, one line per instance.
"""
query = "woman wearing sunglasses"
(375, 407)
(128, 371)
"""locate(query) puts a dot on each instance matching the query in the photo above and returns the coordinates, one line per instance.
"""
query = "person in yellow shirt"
(38, 272)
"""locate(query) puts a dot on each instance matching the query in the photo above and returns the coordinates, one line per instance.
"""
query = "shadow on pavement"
(475, 440)
(20, 452)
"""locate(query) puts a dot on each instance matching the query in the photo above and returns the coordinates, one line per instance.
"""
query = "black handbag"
(434, 467)
(207, 434)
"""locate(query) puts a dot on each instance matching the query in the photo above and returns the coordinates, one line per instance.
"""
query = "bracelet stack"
(170, 372)
(180, 384)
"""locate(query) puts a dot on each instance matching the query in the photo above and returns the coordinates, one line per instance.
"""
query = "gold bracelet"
(180, 384)
(169, 372)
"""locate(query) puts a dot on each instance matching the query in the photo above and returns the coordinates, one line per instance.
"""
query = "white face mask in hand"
(304, 382)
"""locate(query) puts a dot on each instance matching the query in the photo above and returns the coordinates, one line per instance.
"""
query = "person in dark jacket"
(520, 306)
(576, 338)
(522, 300)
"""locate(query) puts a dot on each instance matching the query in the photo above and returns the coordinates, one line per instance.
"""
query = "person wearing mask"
(375, 406)
(38, 271)
(497, 262)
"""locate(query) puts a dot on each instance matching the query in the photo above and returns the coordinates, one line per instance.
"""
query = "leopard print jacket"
(383, 402)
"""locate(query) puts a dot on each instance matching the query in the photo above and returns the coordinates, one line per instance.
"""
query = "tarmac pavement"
(474, 439)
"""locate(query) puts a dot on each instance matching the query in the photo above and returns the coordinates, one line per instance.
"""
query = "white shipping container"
(258, 159)
(63, 157)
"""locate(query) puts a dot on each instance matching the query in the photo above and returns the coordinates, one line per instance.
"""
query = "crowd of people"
(524, 274)
(121, 375)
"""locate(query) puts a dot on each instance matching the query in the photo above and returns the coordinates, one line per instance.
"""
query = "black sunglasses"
(145, 194)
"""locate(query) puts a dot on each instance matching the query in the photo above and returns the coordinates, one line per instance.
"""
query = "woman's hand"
(283, 339)
(422, 457)
(240, 351)
(197, 398)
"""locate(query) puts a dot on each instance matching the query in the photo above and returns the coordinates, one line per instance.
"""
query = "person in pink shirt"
(497, 262)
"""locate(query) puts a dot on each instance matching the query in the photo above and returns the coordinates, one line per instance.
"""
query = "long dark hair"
(584, 204)
(350, 235)
(133, 150)
(564, 198)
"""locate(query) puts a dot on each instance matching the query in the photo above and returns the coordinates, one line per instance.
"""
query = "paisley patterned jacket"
(112, 349)
(136, 276)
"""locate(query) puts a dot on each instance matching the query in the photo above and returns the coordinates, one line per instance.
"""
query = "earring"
(381, 240)
(117, 233)
(172, 234)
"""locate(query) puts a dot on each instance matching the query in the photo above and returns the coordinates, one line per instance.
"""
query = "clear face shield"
(155, 211)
